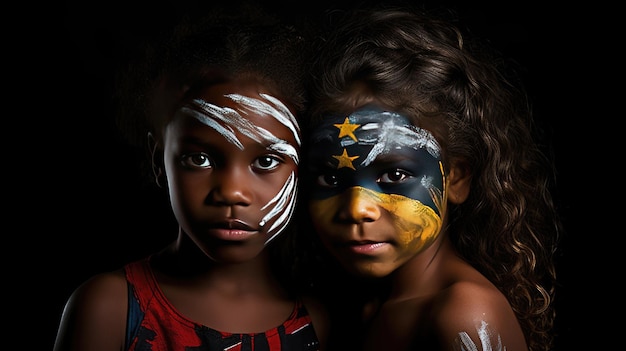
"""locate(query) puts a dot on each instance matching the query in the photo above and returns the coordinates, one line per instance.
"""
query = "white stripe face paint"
(278, 110)
(284, 204)
(227, 121)
(387, 136)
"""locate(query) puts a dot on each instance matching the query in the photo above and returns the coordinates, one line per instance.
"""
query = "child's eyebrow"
(286, 149)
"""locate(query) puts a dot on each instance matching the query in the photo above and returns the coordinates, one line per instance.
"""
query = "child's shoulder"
(468, 298)
(96, 312)
(475, 312)
(100, 291)
(101, 295)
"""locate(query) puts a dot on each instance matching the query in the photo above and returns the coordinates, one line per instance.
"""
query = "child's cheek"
(323, 211)
(417, 225)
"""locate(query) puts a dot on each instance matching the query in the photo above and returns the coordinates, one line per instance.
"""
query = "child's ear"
(156, 157)
(459, 180)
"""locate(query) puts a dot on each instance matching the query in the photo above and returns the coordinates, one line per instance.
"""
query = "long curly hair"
(471, 98)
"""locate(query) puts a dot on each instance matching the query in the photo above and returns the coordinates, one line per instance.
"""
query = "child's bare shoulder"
(96, 312)
(474, 313)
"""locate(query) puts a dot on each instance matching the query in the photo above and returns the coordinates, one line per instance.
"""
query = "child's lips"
(233, 229)
(237, 224)
(366, 247)
(232, 234)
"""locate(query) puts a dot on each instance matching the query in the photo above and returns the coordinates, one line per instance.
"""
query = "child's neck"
(425, 273)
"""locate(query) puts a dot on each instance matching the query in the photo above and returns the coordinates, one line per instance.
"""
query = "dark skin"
(217, 272)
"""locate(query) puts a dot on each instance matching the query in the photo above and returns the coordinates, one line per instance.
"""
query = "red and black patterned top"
(154, 324)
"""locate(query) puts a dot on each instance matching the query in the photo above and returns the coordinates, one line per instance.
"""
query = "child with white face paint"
(225, 145)
(424, 184)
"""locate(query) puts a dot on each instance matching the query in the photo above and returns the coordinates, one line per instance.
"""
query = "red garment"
(153, 324)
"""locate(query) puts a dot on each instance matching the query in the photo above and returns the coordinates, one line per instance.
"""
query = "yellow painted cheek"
(417, 225)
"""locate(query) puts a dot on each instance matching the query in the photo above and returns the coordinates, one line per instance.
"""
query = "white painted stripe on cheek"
(284, 202)
(279, 199)
(284, 205)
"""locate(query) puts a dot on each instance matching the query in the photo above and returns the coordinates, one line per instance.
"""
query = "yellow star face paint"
(347, 129)
(345, 160)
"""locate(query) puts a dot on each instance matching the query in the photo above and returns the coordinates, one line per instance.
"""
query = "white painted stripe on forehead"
(280, 112)
(231, 121)
(391, 136)
(291, 122)
(234, 121)
(215, 111)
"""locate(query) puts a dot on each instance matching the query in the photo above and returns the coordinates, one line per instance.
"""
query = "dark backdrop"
(95, 212)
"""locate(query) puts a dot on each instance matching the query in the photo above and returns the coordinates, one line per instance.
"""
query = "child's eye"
(327, 180)
(394, 176)
(200, 160)
(266, 163)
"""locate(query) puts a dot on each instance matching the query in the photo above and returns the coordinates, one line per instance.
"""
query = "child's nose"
(232, 187)
(359, 205)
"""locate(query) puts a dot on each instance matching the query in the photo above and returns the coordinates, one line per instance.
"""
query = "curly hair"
(475, 104)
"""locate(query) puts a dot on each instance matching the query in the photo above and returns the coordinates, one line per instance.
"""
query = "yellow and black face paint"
(382, 152)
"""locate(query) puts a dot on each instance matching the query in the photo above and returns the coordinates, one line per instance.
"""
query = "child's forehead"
(372, 125)
(217, 93)
(368, 119)
(372, 114)
(235, 109)
(250, 97)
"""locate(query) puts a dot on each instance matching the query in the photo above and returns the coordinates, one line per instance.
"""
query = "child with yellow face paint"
(369, 164)
(424, 183)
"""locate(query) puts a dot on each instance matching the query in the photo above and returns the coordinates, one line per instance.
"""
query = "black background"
(91, 211)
